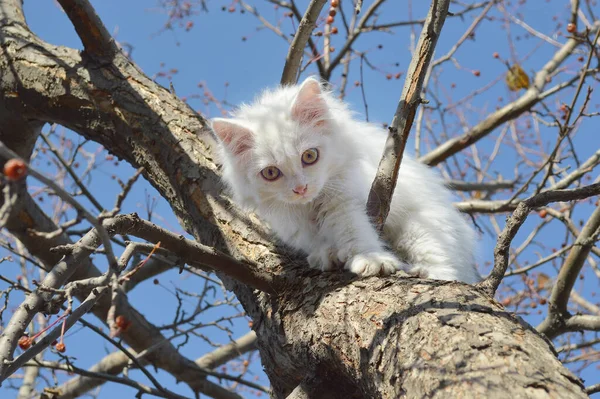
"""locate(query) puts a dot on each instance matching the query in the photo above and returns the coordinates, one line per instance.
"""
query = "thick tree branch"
(294, 56)
(92, 32)
(399, 343)
(382, 189)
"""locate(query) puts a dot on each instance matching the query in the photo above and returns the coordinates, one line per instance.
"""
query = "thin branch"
(192, 252)
(107, 377)
(62, 194)
(459, 185)
(114, 363)
(352, 36)
(516, 220)
(558, 319)
(294, 56)
(510, 111)
(465, 36)
(228, 352)
(592, 389)
(36, 301)
(53, 335)
(382, 189)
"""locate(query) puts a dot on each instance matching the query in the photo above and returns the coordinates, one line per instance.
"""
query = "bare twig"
(558, 319)
(54, 334)
(382, 189)
(107, 377)
(516, 220)
(510, 111)
(60, 192)
(191, 251)
(459, 185)
(114, 363)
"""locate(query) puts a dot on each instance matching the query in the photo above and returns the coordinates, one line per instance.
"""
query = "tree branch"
(558, 319)
(516, 220)
(90, 29)
(114, 363)
(382, 189)
(192, 252)
(294, 56)
(510, 111)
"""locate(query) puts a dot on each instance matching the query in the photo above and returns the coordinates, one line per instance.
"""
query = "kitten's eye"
(270, 173)
(310, 156)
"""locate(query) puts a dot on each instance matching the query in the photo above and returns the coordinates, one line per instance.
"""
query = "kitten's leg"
(358, 243)
(324, 257)
(441, 251)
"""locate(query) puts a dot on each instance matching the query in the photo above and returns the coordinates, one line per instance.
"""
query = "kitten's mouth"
(301, 199)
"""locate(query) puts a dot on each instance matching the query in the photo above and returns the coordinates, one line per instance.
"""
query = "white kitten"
(300, 161)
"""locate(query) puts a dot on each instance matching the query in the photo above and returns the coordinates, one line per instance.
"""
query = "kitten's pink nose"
(300, 190)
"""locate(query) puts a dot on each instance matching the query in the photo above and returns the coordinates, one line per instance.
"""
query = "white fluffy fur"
(329, 221)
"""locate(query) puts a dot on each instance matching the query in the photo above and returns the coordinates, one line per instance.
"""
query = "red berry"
(331, 49)
(334, 30)
(476, 72)
(571, 28)
(122, 323)
(330, 20)
(61, 347)
(543, 213)
(397, 76)
(24, 342)
(496, 55)
(335, 3)
(332, 12)
(15, 169)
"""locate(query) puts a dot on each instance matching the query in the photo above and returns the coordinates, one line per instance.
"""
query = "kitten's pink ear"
(309, 106)
(237, 139)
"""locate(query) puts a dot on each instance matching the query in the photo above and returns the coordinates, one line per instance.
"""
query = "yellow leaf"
(516, 78)
(542, 280)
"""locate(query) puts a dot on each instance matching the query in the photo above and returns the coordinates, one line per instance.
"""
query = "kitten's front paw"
(374, 263)
(324, 259)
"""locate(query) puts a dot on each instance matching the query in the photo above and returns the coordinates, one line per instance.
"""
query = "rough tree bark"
(341, 338)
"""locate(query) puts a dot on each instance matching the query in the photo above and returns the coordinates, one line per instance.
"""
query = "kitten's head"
(279, 149)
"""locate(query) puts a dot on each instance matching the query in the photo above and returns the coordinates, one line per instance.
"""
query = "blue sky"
(214, 53)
